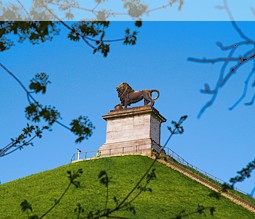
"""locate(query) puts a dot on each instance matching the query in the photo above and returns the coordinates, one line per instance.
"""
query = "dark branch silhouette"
(37, 113)
(72, 176)
(239, 54)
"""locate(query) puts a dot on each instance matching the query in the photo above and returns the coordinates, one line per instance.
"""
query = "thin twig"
(23, 7)
(57, 201)
(240, 32)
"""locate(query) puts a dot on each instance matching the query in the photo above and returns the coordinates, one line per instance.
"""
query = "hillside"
(171, 193)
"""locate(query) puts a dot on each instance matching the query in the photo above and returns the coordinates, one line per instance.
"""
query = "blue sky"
(221, 142)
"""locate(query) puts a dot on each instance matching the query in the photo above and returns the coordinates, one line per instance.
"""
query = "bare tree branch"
(239, 54)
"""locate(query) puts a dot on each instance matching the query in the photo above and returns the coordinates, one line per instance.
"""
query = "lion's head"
(123, 90)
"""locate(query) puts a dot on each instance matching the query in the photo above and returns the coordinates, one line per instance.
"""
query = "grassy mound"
(171, 192)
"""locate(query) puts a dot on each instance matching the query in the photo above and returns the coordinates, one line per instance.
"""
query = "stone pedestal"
(132, 131)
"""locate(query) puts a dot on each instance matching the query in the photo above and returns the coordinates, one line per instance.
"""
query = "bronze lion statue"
(128, 96)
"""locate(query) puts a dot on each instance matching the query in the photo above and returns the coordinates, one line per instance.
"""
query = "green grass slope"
(171, 192)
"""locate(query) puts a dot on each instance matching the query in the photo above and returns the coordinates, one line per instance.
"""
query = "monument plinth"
(132, 131)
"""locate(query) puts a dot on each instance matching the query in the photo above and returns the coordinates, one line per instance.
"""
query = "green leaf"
(104, 179)
(212, 210)
(26, 206)
(39, 83)
(138, 23)
(82, 127)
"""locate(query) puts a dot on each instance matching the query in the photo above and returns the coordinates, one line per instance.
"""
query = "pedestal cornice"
(134, 111)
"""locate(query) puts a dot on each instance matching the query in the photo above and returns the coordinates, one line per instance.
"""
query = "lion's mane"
(123, 90)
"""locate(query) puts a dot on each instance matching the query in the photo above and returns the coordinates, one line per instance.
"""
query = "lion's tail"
(158, 94)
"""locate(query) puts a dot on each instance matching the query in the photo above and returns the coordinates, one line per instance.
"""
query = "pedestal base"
(132, 131)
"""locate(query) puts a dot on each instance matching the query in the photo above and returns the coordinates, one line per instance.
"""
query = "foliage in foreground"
(171, 192)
